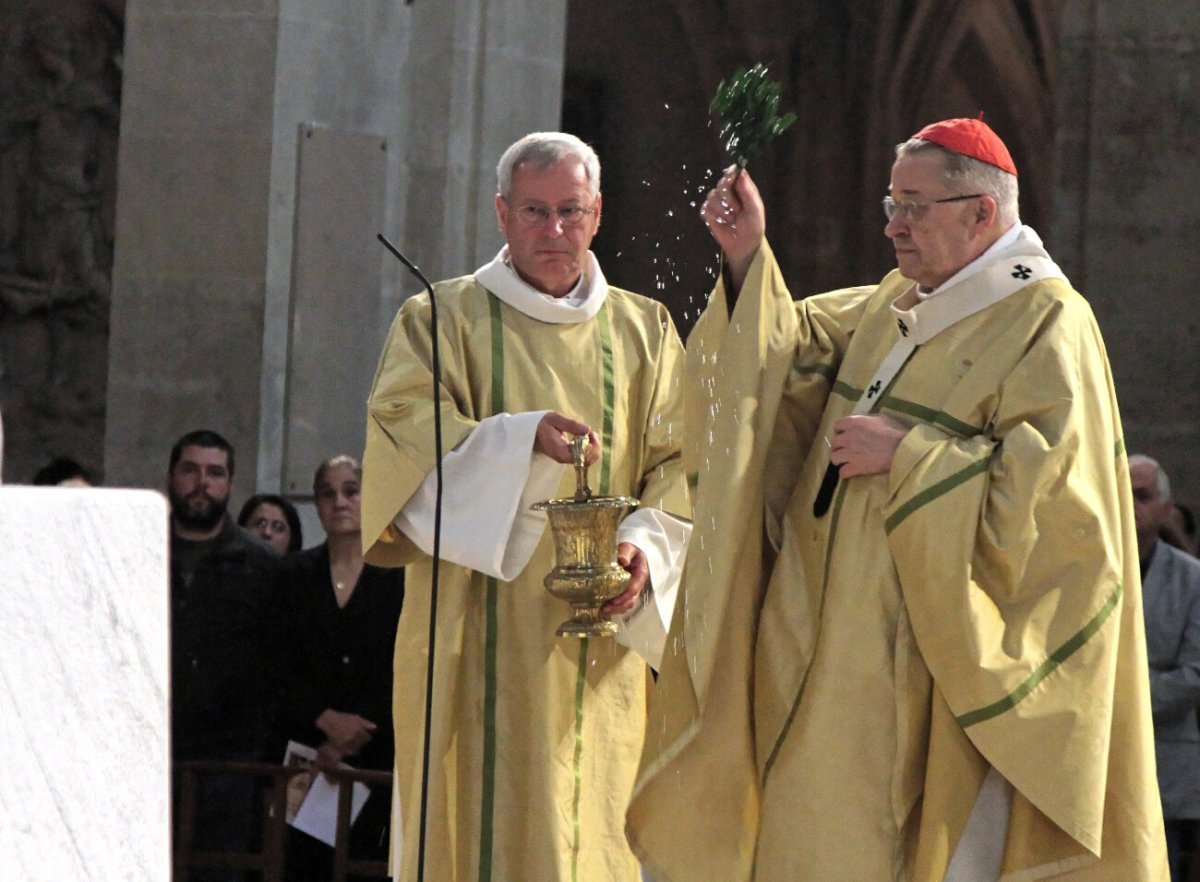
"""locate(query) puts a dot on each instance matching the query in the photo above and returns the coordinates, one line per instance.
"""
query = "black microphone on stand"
(437, 545)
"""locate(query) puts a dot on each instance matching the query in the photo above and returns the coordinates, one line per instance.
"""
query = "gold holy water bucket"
(585, 547)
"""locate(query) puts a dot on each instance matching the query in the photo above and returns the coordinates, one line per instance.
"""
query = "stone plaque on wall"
(340, 192)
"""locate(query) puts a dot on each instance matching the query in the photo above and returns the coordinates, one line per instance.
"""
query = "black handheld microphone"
(825, 492)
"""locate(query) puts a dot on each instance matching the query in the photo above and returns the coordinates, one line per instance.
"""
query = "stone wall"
(59, 109)
(1127, 218)
(235, 114)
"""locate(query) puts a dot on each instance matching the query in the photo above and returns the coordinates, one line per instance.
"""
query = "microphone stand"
(437, 546)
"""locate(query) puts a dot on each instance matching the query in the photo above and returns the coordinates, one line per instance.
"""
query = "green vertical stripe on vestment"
(1045, 668)
(497, 355)
(487, 802)
(580, 683)
(606, 439)
(606, 445)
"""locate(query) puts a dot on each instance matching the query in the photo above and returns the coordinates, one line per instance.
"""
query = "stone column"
(221, 291)
(1127, 210)
(478, 76)
(193, 199)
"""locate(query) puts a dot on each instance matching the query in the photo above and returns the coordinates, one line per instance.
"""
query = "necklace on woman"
(344, 576)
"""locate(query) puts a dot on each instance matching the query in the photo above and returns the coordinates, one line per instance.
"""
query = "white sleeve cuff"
(663, 539)
(489, 482)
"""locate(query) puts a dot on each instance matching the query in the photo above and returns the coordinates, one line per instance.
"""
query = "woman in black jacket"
(339, 620)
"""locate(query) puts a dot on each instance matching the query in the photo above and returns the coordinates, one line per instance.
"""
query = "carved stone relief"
(59, 118)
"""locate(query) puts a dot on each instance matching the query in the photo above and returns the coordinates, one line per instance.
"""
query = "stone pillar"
(1127, 210)
(479, 76)
(219, 296)
(193, 199)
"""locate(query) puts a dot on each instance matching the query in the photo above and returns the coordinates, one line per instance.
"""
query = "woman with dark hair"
(62, 471)
(339, 621)
(274, 520)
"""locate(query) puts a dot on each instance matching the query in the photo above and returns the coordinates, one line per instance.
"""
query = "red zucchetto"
(970, 137)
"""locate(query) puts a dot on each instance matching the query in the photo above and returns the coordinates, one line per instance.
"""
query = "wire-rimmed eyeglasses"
(912, 211)
(537, 215)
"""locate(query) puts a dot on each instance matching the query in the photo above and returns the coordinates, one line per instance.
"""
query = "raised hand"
(734, 215)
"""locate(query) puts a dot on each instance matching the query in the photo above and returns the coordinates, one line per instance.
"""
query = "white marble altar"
(84, 685)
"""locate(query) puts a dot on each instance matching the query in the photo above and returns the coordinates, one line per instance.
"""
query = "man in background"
(223, 648)
(1171, 595)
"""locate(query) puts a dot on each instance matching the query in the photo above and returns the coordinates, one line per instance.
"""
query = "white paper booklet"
(312, 799)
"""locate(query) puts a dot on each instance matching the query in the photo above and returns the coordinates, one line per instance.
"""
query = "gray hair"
(972, 176)
(544, 150)
(332, 463)
(1164, 483)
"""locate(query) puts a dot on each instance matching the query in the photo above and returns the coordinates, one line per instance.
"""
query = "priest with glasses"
(535, 738)
(909, 643)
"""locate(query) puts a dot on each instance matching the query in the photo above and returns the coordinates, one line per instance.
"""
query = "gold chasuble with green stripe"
(835, 706)
(535, 739)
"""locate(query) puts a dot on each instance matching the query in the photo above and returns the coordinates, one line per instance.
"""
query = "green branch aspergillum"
(746, 107)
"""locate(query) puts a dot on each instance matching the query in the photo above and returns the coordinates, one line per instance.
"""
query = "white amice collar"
(578, 305)
(1017, 232)
(1015, 261)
